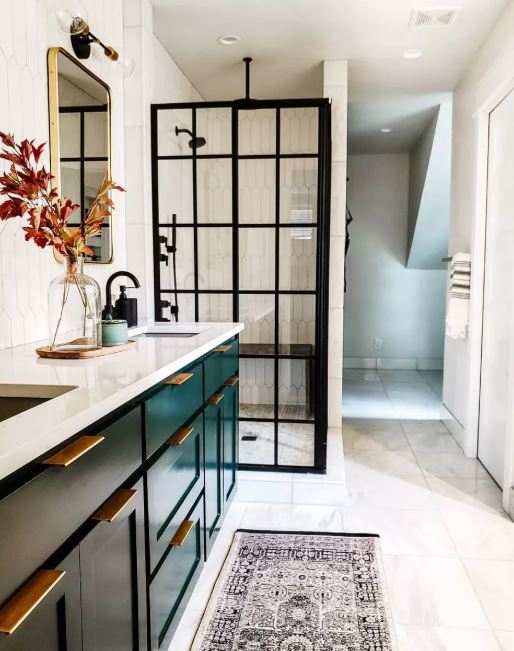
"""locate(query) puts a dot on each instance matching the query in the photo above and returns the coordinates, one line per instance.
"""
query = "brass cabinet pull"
(179, 379)
(223, 349)
(216, 398)
(114, 505)
(182, 533)
(73, 451)
(180, 436)
(27, 598)
(231, 381)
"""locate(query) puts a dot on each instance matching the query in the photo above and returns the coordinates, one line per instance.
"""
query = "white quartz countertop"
(101, 385)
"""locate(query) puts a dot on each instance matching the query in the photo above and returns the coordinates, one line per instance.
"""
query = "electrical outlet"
(378, 344)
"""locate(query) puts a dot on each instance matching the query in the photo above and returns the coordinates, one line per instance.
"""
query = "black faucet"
(108, 309)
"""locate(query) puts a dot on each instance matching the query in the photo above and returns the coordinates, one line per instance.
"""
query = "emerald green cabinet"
(213, 429)
(230, 410)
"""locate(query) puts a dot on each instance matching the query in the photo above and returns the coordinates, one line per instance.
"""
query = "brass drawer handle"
(27, 598)
(182, 533)
(114, 505)
(180, 436)
(216, 398)
(232, 381)
(179, 379)
(223, 349)
(73, 451)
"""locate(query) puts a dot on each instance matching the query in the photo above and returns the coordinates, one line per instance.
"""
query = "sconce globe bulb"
(72, 17)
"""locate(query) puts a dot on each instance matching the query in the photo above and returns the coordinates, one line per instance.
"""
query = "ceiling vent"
(434, 16)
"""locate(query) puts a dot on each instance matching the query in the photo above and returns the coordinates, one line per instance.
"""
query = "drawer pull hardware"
(182, 533)
(114, 505)
(27, 598)
(180, 436)
(223, 349)
(216, 398)
(179, 379)
(232, 381)
(73, 451)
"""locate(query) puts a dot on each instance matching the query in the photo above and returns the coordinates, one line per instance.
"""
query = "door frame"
(478, 243)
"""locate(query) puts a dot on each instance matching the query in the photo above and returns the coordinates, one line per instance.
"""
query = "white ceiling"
(289, 39)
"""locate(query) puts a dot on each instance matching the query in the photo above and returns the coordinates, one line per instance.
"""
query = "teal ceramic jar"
(114, 332)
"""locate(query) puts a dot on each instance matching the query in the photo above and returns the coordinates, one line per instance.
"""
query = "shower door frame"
(319, 359)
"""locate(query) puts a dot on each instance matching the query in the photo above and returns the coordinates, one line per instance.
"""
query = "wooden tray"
(84, 354)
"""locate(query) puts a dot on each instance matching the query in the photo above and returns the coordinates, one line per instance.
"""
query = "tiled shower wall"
(27, 29)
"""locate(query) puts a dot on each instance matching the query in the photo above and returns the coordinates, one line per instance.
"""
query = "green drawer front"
(175, 580)
(174, 483)
(171, 406)
(221, 365)
(230, 440)
(40, 516)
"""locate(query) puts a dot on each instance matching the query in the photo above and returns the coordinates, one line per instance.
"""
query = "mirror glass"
(80, 140)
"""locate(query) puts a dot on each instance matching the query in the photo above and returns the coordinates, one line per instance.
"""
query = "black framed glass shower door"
(247, 212)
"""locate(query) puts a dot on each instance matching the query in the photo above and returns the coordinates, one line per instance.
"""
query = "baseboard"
(394, 363)
(454, 427)
(511, 503)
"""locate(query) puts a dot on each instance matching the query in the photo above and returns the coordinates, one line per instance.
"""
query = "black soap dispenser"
(126, 308)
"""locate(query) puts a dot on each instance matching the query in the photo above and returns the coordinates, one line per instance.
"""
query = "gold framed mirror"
(80, 140)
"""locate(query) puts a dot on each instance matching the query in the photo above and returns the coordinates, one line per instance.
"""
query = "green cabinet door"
(54, 624)
(230, 441)
(213, 446)
(113, 580)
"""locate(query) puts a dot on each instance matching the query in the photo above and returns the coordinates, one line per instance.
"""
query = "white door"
(498, 335)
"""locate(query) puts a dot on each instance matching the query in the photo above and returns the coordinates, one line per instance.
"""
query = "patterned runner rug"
(288, 591)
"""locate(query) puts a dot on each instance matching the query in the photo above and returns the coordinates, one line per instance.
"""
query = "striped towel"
(457, 318)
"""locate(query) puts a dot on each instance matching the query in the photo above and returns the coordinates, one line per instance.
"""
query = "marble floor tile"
(494, 584)
(293, 517)
(394, 376)
(375, 489)
(506, 640)
(402, 532)
(457, 494)
(186, 631)
(374, 440)
(435, 441)
(372, 424)
(480, 534)
(450, 464)
(436, 638)
(399, 463)
(433, 592)
(416, 425)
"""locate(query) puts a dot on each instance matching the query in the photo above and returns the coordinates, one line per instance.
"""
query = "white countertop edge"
(21, 450)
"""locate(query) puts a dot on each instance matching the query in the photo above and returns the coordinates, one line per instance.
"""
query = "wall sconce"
(73, 21)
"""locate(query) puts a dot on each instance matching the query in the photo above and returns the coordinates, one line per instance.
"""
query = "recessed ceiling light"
(229, 39)
(385, 130)
(412, 54)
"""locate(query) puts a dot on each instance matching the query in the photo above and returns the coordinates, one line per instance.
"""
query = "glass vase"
(74, 310)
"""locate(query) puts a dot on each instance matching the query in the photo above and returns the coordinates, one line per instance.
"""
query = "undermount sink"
(168, 334)
(17, 398)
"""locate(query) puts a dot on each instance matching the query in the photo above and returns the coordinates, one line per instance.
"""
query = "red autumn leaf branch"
(28, 193)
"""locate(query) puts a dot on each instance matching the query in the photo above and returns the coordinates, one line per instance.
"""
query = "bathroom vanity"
(113, 491)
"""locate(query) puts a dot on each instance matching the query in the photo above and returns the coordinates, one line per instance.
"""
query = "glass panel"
(215, 307)
(299, 130)
(256, 388)
(214, 190)
(256, 191)
(298, 190)
(215, 125)
(256, 442)
(295, 389)
(295, 444)
(94, 172)
(257, 258)
(69, 133)
(297, 326)
(185, 261)
(70, 187)
(214, 258)
(186, 307)
(96, 133)
(298, 259)
(257, 131)
(257, 311)
(169, 143)
(175, 190)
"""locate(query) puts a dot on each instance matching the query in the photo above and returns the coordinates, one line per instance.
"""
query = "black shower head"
(194, 143)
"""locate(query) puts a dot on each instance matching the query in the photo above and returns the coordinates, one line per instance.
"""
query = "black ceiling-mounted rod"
(248, 61)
